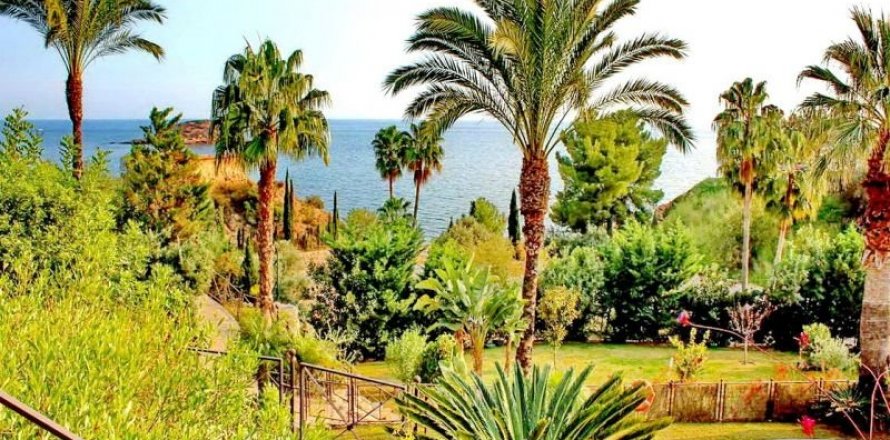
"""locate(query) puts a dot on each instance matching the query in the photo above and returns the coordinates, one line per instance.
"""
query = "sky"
(350, 46)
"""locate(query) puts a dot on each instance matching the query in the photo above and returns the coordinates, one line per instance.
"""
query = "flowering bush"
(821, 351)
(691, 356)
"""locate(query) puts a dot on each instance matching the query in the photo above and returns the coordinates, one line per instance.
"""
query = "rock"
(196, 132)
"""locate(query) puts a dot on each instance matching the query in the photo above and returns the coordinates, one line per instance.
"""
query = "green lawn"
(694, 431)
(640, 362)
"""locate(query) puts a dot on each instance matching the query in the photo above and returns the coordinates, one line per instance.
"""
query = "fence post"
(305, 397)
(718, 403)
(291, 362)
(671, 398)
(771, 400)
(281, 381)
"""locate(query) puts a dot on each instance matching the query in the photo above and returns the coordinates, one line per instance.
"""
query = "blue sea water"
(480, 161)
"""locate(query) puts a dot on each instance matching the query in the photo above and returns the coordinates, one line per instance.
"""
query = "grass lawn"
(694, 431)
(640, 362)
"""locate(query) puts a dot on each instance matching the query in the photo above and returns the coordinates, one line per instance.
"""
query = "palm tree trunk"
(874, 326)
(390, 187)
(784, 226)
(534, 192)
(478, 342)
(508, 354)
(416, 200)
(74, 96)
(265, 231)
(746, 233)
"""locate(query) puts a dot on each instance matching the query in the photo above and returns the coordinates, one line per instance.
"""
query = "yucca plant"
(530, 65)
(528, 407)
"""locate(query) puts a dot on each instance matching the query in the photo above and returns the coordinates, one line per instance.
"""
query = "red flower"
(808, 425)
(803, 340)
(684, 319)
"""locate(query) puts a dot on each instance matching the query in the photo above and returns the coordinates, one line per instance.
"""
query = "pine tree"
(513, 221)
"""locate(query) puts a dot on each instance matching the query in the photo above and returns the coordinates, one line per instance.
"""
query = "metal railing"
(36, 418)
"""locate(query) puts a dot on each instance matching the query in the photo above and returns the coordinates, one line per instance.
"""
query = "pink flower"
(684, 319)
(803, 340)
(808, 425)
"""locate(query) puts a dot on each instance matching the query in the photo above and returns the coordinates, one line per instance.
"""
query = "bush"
(366, 287)
(558, 309)
(642, 266)
(488, 215)
(691, 356)
(438, 354)
(825, 352)
(405, 355)
(821, 279)
(94, 335)
(707, 297)
(470, 239)
(582, 271)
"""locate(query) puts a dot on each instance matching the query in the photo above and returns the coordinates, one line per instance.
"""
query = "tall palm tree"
(794, 187)
(424, 156)
(390, 148)
(746, 128)
(82, 31)
(264, 108)
(530, 64)
(858, 92)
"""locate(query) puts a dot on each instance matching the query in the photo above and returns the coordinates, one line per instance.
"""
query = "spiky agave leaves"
(533, 407)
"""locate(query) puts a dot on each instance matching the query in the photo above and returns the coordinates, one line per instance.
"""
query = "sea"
(480, 161)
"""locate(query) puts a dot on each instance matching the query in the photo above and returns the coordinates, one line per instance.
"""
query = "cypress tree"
(513, 221)
(336, 218)
(288, 208)
(246, 267)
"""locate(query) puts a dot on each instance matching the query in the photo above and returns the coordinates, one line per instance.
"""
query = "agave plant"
(521, 407)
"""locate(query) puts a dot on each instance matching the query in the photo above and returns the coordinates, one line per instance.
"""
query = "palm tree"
(469, 303)
(530, 65)
(266, 106)
(82, 31)
(795, 188)
(424, 157)
(390, 147)
(746, 128)
(858, 94)
(520, 407)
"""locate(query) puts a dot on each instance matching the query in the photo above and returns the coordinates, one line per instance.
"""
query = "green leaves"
(537, 406)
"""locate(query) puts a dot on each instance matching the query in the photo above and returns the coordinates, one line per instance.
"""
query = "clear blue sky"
(350, 45)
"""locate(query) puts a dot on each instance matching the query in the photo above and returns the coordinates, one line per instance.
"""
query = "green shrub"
(642, 266)
(690, 357)
(582, 271)
(821, 279)
(825, 352)
(438, 354)
(488, 215)
(558, 308)
(405, 354)
(366, 287)
(470, 239)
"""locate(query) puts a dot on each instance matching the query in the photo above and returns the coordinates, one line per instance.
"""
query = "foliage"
(276, 337)
(642, 266)
(708, 297)
(469, 303)
(65, 261)
(19, 138)
(609, 170)
(405, 354)
(514, 230)
(722, 245)
(488, 215)
(525, 407)
(366, 287)
(558, 309)
(469, 239)
(821, 279)
(582, 271)
(424, 156)
(437, 355)
(825, 352)
(691, 356)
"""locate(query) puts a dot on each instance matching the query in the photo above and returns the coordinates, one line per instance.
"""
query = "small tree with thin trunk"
(558, 309)
(746, 320)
